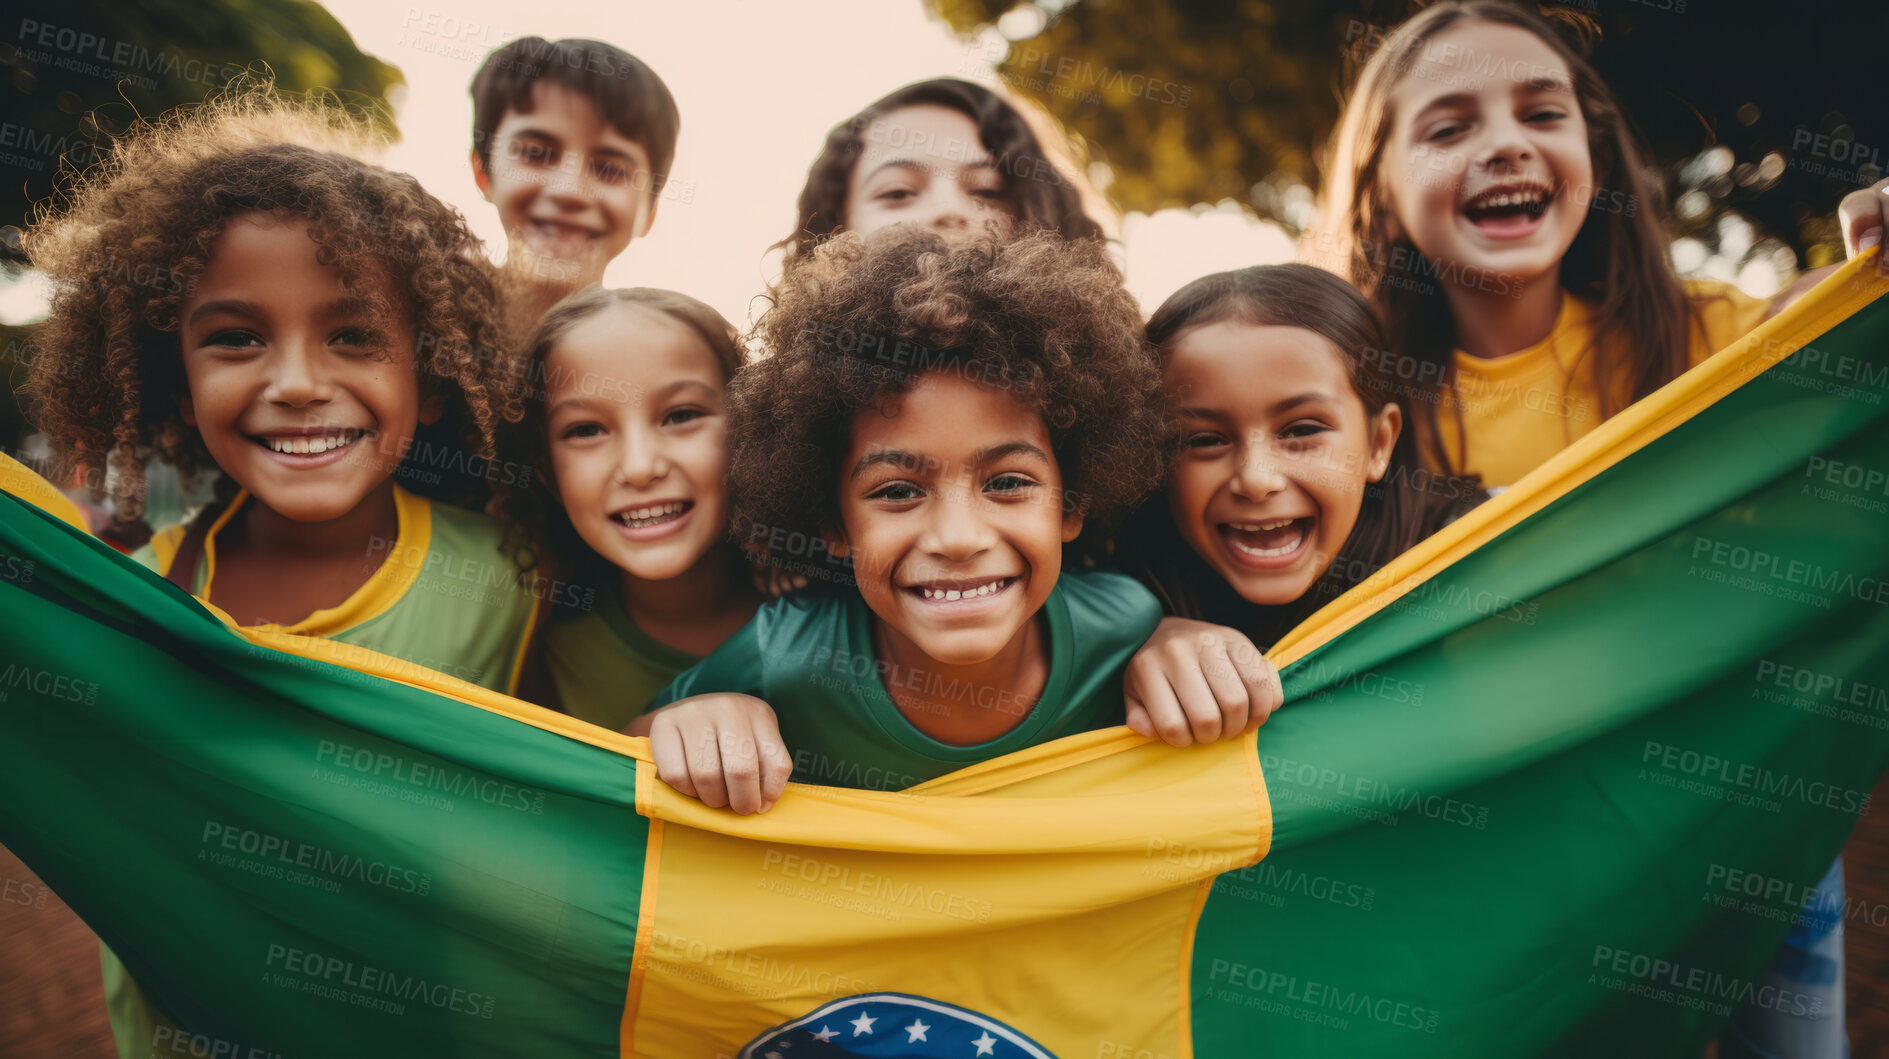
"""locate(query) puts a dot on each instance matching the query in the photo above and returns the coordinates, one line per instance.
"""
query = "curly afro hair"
(861, 320)
(125, 248)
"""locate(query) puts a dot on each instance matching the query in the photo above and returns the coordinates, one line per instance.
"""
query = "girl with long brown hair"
(1486, 191)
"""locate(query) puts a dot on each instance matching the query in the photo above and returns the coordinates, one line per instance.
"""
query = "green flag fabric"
(1558, 781)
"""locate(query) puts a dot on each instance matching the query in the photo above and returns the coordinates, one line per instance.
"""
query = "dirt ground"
(51, 1006)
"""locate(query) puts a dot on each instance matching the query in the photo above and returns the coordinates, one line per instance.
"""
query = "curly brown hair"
(859, 321)
(124, 249)
(536, 526)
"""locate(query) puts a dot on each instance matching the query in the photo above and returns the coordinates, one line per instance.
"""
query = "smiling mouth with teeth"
(311, 445)
(1267, 540)
(933, 594)
(557, 230)
(653, 515)
(1529, 202)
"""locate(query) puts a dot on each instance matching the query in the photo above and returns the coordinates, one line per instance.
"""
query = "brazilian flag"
(1557, 781)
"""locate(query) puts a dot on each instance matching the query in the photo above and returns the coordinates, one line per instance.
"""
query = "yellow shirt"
(1518, 410)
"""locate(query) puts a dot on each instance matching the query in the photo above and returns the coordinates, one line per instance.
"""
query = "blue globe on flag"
(893, 1026)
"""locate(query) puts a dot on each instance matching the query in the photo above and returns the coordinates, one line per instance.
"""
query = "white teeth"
(1531, 197)
(311, 446)
(1244, 548)
(1284, 549)
(947, 595)
(649, 516)
(1253, 527)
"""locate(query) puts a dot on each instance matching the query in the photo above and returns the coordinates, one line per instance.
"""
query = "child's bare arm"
(1195, 681)
(723, 748)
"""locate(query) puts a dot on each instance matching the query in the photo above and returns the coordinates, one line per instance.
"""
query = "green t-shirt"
(605, 668)
(810, 656)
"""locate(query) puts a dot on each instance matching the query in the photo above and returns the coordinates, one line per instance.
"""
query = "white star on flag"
(985, 1044)
(863, 1024)
(826, 1035)
(917, 1030)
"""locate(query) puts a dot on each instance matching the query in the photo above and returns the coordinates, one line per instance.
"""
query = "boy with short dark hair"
(572, 141)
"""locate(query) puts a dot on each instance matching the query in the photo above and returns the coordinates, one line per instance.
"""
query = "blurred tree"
(76, 72)
(1202, 101)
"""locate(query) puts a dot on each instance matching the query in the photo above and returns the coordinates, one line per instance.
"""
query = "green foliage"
(76, 72)
(1190, 101)
(1257, 86)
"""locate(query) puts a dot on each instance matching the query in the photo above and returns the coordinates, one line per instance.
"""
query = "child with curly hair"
(245, 294)
(627, 513)
(951, 418)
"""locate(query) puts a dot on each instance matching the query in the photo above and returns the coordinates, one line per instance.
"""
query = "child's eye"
(896, 492)
(679, 416)
(1009, 483)
(1202, 440)
(526, 151)
(354, 336)
(232, 339)
(1445, 131)
(610, 172)
(1303, 430)
(581, 430)
(993, 194)
(1543, 117)
(895, 195)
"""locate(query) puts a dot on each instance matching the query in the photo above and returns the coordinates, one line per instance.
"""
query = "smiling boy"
(572, 141)
(958, 481)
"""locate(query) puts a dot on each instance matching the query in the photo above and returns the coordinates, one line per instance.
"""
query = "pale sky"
(758, 84)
